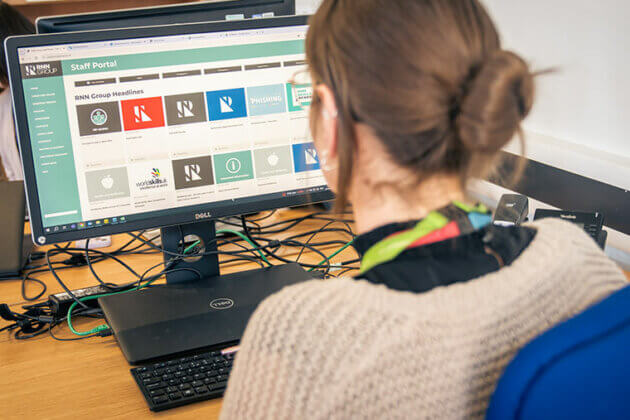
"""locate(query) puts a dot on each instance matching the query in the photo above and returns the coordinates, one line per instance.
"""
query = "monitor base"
(166, 321)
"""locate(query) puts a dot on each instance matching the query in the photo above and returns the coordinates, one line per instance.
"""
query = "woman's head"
(11, 23)
(426, 78)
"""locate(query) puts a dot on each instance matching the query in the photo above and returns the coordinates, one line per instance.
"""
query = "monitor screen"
(167, 15)
(167, 129)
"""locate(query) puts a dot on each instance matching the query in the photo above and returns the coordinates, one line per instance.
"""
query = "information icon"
(233, 165)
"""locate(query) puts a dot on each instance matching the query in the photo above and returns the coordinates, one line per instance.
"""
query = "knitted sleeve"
(297, 346)
(350, 349)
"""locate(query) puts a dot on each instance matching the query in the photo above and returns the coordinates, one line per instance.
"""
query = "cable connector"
(60, 302)
(105, 333)
(78, 260)
(275, 244)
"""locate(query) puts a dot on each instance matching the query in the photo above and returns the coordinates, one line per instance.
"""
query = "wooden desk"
(44, 378)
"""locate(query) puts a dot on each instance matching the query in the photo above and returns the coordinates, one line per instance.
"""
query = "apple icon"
(107, 182)
(273, 159)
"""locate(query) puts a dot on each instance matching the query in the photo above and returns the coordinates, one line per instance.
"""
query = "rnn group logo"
(49, 69)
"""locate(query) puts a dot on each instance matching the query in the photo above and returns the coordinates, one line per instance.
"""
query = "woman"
(411, 100)
(11, 23)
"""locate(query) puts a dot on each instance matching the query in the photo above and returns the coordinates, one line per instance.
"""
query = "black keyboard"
(185, 380)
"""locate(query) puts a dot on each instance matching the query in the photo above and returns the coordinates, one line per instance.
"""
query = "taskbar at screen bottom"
(200, 209)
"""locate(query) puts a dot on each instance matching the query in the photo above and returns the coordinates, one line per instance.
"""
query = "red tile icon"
(139, 114)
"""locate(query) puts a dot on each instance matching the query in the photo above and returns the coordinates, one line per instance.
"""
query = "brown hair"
(428, 76)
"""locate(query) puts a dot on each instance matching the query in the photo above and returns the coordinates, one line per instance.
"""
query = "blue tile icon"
(305, 157)
(226, 104)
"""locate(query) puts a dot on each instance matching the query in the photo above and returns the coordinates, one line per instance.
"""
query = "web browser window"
(124, 130)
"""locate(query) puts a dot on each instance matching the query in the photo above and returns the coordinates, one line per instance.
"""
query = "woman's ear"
(327, 142)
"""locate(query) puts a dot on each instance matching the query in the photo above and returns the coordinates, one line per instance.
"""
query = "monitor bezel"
(12, 45)
(45, 24)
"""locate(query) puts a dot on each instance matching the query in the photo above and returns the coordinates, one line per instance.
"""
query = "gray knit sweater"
(343, 349)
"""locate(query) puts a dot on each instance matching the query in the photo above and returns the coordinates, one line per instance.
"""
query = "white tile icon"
(192, 173)
(225, 103)
(310, 157)
(140, 114)
(185, 109)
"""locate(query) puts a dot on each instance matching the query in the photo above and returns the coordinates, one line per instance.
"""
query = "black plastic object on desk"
(185, 380)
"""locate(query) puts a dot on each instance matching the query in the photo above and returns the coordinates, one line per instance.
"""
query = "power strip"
(60, 302)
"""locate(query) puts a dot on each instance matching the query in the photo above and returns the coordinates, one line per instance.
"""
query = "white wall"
(581, 117)
(586, 104)
(306, 7)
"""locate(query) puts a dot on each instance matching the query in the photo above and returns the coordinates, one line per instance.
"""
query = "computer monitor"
(171, 127)
(166, 15)
(125, 130)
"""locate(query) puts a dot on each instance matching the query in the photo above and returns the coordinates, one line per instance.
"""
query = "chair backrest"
(578, 370)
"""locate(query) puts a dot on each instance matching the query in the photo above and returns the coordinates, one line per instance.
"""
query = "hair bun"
(499, 97)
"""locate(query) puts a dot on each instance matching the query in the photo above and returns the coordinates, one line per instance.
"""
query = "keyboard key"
(172, 363)
(167, 377)
(186, 379)
(173, 382)
(215, 353)
(142, 369)
(160, 400)
(154, 386)
(221, 378)
(218, 386)
(175, 396)
(157, 392)
(151, 381)
(213, 373)
(197, 383)
(179, 374)
(171, 389)
(184, 386)
(146, 376)
(159, 372)
(198, 376)
(224, 371)
(209, 381)
(201, 390)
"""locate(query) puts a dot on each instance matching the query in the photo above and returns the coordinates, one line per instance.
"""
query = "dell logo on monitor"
(200, 216)
(222, 303)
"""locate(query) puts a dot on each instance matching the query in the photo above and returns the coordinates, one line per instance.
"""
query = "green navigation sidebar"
(52, 151)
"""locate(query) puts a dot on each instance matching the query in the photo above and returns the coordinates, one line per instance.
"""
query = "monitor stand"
(197, 309)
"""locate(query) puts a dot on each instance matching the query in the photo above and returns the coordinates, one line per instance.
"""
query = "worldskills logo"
(155, 181)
